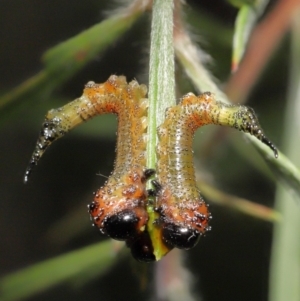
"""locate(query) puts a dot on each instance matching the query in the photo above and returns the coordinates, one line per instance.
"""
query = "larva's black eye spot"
(121, 226)
(181, 237)
(142, 249)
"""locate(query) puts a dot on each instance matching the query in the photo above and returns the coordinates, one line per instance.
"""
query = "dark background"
(231, 263)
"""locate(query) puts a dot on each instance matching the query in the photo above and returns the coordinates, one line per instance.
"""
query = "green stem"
(161, 95)
(285, 259)
(41, 276)
(161, 75)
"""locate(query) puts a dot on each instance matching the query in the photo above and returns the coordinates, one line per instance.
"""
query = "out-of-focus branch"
(67, 58)
(245, 21)
(262, 44)
(285, 258)
(189, 57)
(172, 279)
(239, 204)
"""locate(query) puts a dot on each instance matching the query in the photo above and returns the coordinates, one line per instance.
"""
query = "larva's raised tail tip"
(26, 178)
(50, 132)
(270, 145)
(28, 171)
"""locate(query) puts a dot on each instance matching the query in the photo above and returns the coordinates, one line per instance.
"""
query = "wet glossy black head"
(181, 237)
(122, 225)
(142, 249)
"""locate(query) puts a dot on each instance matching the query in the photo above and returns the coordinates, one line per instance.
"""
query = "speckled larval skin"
(119, 208)
(184, 214)
(125, 188)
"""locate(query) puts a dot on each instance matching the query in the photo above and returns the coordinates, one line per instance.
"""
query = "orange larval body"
(181, 207)
(184, 214)
(125, 188)
(121, 203)
(119, 208)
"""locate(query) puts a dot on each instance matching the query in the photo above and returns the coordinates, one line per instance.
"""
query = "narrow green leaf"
(41, 276)
(64, 60)
(240, 3)
(68, 57)
(245, 21)
(24, 95)
(285, 259)
(237, 203)
(282, 168)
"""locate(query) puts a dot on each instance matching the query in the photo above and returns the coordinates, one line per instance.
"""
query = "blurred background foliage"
(48, 216)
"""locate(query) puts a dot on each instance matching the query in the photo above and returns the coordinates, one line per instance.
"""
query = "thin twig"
(237, 203)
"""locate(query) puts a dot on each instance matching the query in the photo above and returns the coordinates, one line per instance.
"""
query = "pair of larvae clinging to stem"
(119, 208)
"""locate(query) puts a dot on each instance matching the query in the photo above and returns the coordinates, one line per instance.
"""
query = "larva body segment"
(210, 111)
(184, 214)
(118, 208)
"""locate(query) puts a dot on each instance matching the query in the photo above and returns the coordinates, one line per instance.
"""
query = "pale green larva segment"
(184, 214)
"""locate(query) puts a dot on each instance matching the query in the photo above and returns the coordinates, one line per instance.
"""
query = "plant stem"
(161, 75)
(161, 96)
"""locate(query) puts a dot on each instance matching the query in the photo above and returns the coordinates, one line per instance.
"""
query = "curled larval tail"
(96, 99)
(55, 126)
(207, 110)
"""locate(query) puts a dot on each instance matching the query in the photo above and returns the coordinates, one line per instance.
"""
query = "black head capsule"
(122, 225)
(142, 248)
(180, 236)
